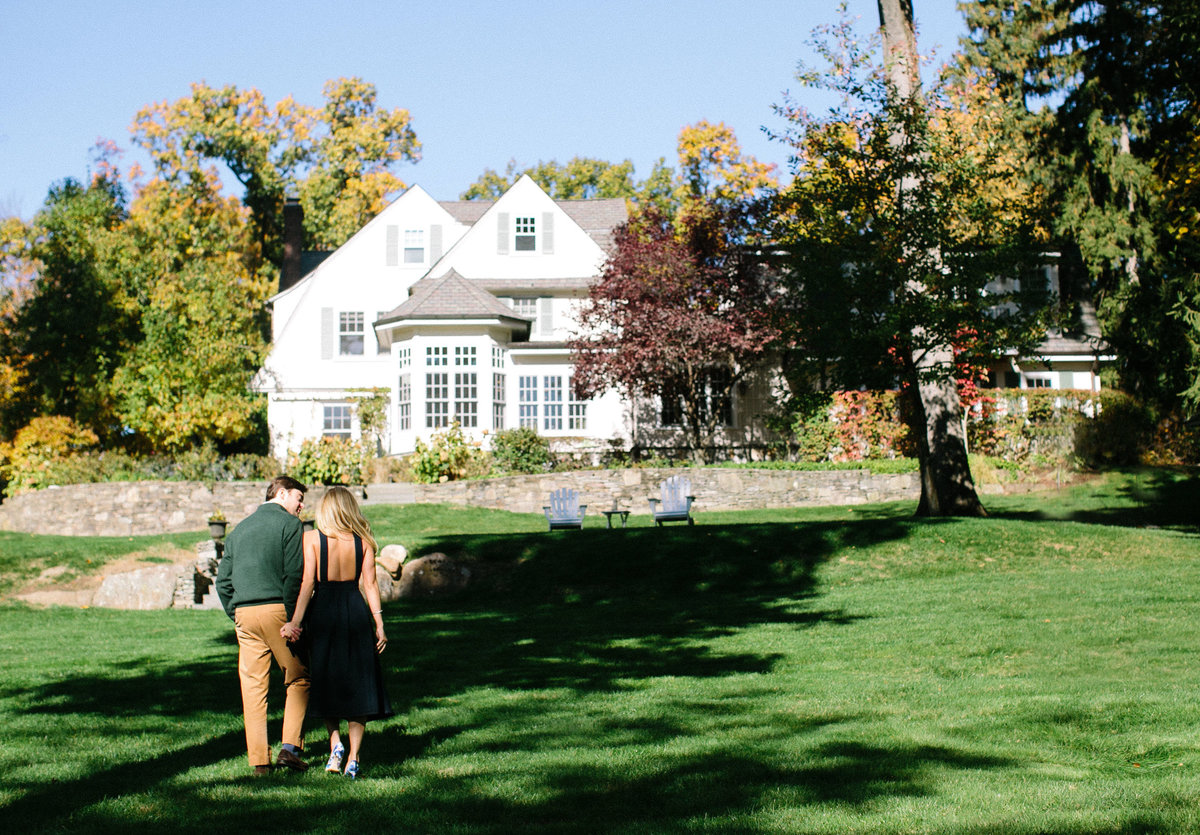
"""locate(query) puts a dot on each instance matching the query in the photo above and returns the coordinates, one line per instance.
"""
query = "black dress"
(347, 680)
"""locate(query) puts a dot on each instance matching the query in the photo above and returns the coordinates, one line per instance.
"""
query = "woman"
(345, 634)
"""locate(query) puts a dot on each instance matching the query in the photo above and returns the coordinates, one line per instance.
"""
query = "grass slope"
(820, 671)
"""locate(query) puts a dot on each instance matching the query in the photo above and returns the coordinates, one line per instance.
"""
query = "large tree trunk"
(947, 488)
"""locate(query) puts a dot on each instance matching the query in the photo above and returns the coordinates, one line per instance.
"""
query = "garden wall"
(715, 488)
(150, 507)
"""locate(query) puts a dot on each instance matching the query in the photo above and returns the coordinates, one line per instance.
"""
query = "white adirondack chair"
(564, 510)
(676, 502)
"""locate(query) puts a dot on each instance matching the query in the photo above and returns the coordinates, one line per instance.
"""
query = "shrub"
(1118, 435)
(847, 426)
(31, 460)
(448, 456)
(520, 450)
(329, 461)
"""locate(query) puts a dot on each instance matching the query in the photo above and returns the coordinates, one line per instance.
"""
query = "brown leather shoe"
(262, 770)
(287, 759)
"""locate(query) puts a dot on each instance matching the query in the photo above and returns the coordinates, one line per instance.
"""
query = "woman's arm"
(371, 593)
(291, 630)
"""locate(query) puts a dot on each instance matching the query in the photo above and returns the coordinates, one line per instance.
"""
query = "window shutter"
(548, 233)
(502, 233)
(391, 256)
(545, 312)
(326, 333)
(435, 242)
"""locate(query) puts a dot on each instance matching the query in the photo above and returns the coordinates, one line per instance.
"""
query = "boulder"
(392, 558)
(433, 576)
(389, 589)
(145, 588)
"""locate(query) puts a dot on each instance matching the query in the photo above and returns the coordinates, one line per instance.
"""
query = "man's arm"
(293, 565)
(225, 581)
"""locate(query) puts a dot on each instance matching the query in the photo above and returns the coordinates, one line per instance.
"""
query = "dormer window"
(414, 246)
(525, 239)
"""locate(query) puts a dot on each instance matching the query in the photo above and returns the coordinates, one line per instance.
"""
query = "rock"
(433, 576)
(392, 558)
(145, 588)
(389, 589)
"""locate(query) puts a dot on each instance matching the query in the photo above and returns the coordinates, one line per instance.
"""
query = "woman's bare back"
(342, 559)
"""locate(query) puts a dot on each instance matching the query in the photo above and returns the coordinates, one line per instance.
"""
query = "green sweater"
(263, 560)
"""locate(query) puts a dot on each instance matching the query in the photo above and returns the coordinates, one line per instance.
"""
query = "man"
(258, 582)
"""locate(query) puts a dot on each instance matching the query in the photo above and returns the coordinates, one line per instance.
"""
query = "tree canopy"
(1104, 93)
(170, 288)
(680, 313)
(902, 214)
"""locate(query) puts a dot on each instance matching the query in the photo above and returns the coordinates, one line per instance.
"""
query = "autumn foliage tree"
(144, 319)
(339, 159)
(680, 312)
(902, 215)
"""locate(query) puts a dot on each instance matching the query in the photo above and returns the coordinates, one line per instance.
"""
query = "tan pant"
(258, 640)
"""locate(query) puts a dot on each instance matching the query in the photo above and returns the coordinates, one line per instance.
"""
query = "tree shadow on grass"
(1162, 498)
(589, 611)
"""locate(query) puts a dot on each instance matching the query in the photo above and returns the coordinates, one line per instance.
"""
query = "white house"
(1062, 360)
(460, 310)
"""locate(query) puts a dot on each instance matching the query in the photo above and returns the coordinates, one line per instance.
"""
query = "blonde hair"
(338, 512)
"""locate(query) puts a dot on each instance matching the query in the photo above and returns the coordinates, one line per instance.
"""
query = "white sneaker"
(335, 760)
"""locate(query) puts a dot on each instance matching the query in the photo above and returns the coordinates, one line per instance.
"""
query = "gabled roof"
(451, 297)
(466, 211)
(598, 218)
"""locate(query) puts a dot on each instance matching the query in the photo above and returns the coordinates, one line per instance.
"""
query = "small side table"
(609, 514)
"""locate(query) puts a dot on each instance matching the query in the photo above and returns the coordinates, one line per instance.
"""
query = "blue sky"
(485, 81)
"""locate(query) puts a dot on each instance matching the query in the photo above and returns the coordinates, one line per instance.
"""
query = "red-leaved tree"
(682, 313)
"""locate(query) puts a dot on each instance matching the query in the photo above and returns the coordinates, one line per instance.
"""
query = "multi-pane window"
(335, 421)
(466, 399)
(464, 355)
(437, 355)
(525, 239)
(719, 395)
(437, 400)
(553, 403)
(672, 405)
(527, 401)
(404, 401)
(414, 246)
(526, 307)
(498, 395)
(404, 357)
(1037, 382)
(715, 396)
(497, 357)
(576, 411)
(350, 333)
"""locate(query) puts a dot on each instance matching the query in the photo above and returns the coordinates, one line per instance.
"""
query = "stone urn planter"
(217, 524)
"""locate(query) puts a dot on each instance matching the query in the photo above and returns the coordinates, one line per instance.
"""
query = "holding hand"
(290, 631)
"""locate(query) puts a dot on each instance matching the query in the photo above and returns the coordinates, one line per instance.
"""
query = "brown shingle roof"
(598, 218)
(451, 297)
(466, 211)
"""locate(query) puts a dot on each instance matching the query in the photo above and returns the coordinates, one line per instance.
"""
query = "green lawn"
(830, 670)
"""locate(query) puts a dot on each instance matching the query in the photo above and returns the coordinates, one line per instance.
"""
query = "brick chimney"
(293, 242)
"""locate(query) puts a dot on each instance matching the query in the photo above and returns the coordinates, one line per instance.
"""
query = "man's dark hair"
(284, 482)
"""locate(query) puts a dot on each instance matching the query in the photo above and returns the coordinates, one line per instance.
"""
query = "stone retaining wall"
(149, 507)
(714, 488)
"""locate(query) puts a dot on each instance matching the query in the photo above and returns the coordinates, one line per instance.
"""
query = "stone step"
(391, 493)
